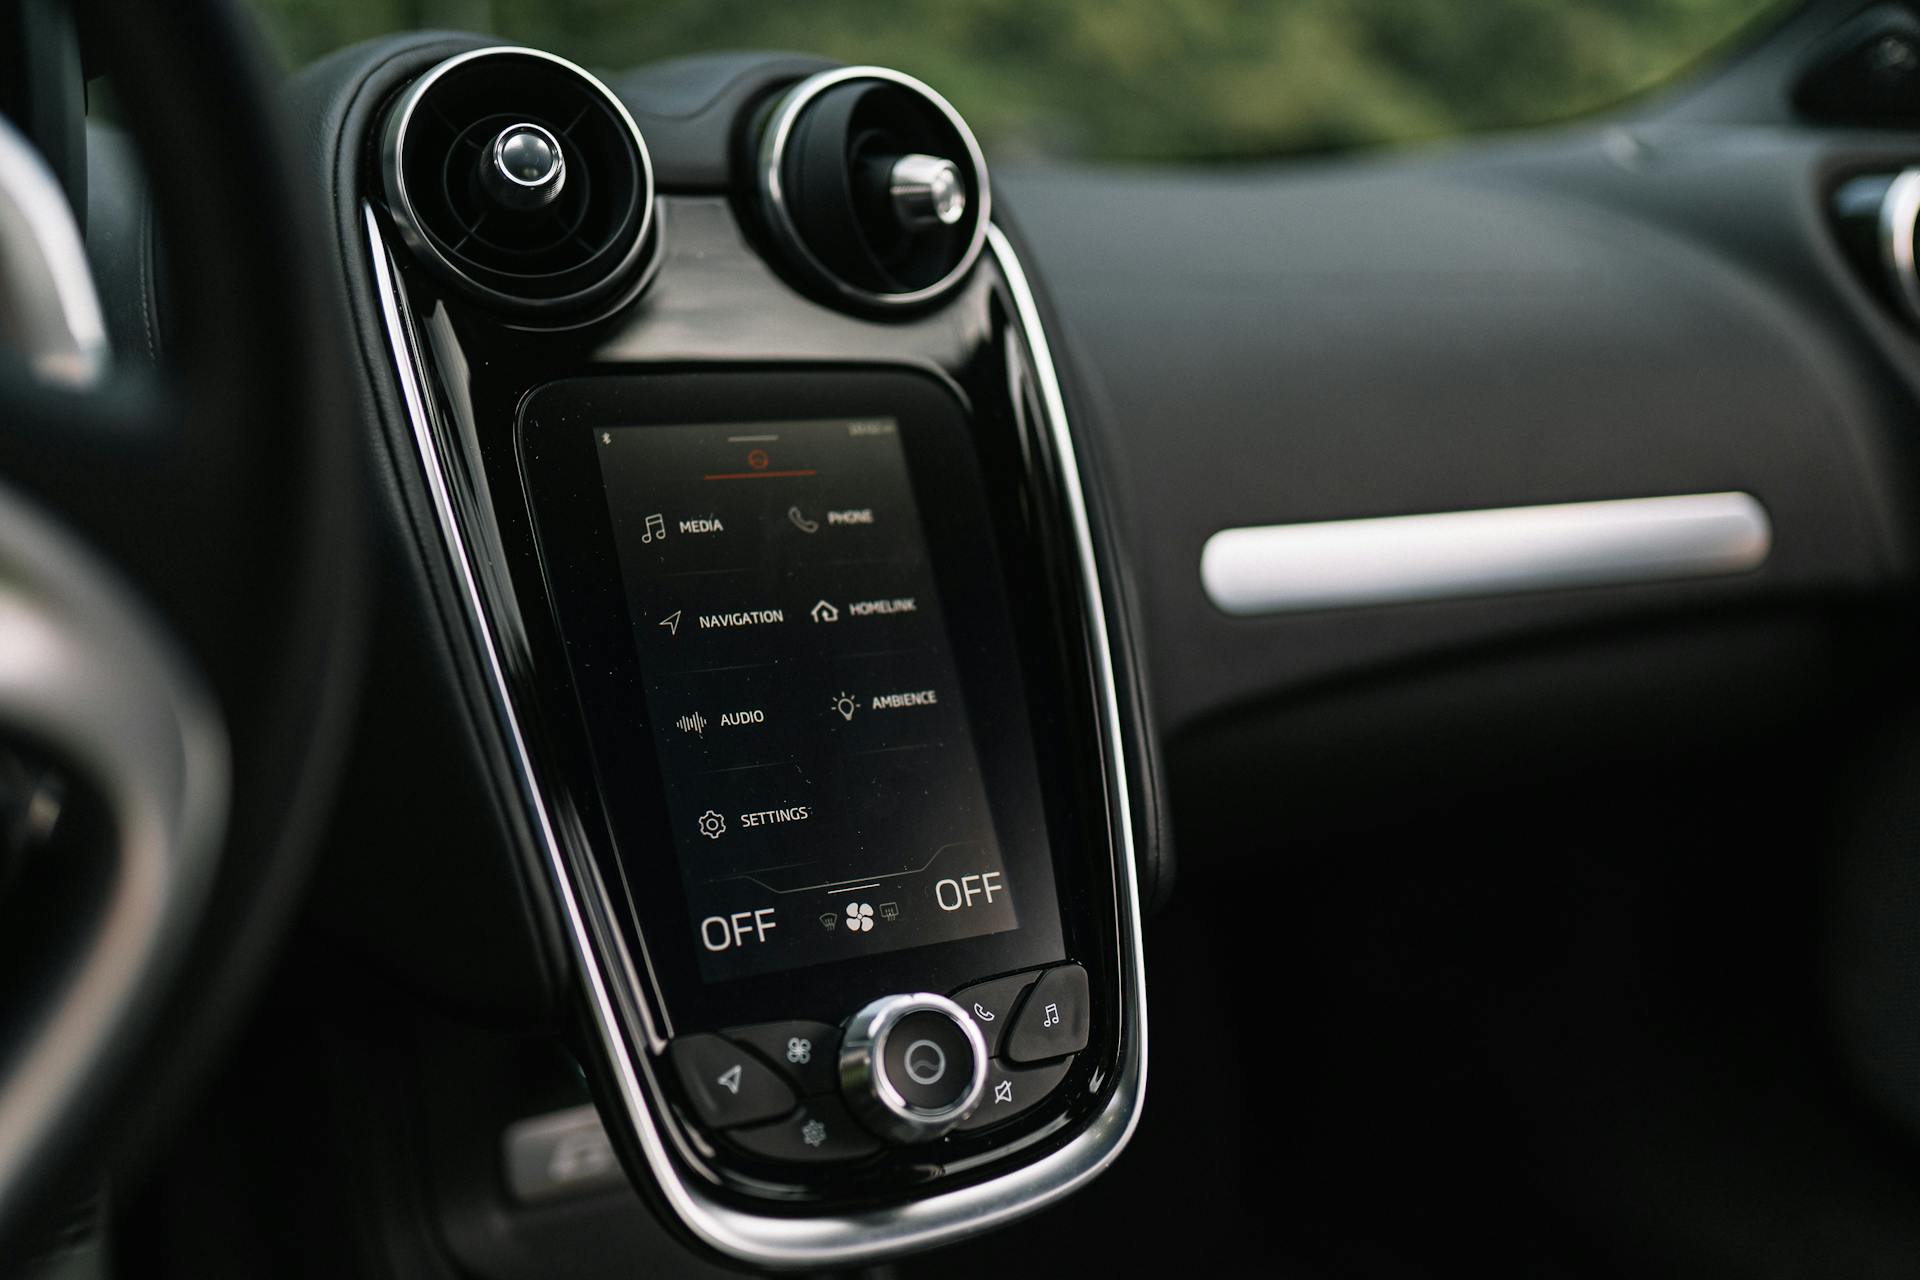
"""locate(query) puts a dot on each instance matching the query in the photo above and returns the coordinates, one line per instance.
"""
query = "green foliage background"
(1140, 79)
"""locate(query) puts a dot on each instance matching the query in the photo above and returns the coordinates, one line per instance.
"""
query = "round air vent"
(520, 179)
(874, 187)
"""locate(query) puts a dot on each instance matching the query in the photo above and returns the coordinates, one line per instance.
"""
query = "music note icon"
(656, 528)
(1053, 1016)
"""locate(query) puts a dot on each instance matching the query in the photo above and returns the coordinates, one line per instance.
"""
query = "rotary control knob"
(912, 1066)
(926, 191)
(523, 168)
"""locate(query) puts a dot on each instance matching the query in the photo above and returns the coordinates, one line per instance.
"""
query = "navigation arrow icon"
(672, 623)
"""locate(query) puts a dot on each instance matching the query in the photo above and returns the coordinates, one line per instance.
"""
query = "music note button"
(1053, 1019)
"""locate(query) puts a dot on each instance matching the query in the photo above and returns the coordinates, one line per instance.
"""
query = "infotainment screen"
(803, 633)
(822, 780)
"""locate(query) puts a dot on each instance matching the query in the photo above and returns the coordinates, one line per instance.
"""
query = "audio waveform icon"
(695, 723)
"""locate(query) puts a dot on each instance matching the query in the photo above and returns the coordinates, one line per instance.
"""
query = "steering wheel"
(180, 612)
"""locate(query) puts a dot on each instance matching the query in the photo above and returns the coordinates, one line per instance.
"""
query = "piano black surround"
(797, 641)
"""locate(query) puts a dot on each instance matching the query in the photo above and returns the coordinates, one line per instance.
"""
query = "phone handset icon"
(801, 522)
(985, 1015)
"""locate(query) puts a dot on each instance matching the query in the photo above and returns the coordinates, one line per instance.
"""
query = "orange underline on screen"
(761, 475)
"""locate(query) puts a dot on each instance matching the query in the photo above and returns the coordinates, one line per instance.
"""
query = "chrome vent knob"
(523, 168)
(926, 191)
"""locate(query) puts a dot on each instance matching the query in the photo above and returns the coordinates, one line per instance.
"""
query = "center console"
(740, 434)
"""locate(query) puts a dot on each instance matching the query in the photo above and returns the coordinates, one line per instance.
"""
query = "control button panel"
(906, 1069)
(1052, 1020)
(728, 1085)
(991, 1005)
(1013, 1091)
(807, 1053)
(1032, 1024)
(821, 1131)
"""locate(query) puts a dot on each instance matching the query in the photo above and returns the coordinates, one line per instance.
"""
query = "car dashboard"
(800, 573)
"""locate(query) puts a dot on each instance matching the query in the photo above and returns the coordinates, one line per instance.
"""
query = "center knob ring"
(913, 1066)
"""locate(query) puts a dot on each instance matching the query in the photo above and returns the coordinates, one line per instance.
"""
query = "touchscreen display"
(823, 784)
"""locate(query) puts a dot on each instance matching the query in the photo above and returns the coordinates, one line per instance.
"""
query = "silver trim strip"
(1899, 211)
(858, 1239)
(48, 308)
(1344, 564)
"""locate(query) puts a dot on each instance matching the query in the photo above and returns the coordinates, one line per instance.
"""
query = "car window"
(1141, 79)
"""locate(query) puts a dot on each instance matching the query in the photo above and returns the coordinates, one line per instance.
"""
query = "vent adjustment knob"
(926, 191)
(523, 168)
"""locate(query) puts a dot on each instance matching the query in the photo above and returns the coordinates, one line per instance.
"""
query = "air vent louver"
(555, 252)
(874, 186)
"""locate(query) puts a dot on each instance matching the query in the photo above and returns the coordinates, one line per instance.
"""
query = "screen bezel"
(956, 475)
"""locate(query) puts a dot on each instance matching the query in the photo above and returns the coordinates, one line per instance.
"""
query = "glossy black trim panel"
(989, 334)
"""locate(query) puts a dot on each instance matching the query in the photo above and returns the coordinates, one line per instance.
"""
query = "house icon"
(824, 612)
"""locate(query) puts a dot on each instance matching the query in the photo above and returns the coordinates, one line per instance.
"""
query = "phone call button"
(990, 1005)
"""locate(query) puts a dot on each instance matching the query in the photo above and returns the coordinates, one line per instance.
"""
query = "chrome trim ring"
(393, 141)
(871, 1092)
(839, 1240)
(1899, 212)
(1347, 564)
(773, 150)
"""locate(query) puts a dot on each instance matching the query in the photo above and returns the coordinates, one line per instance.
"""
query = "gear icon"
(859, 917)
(846, 704)
(712, 825)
